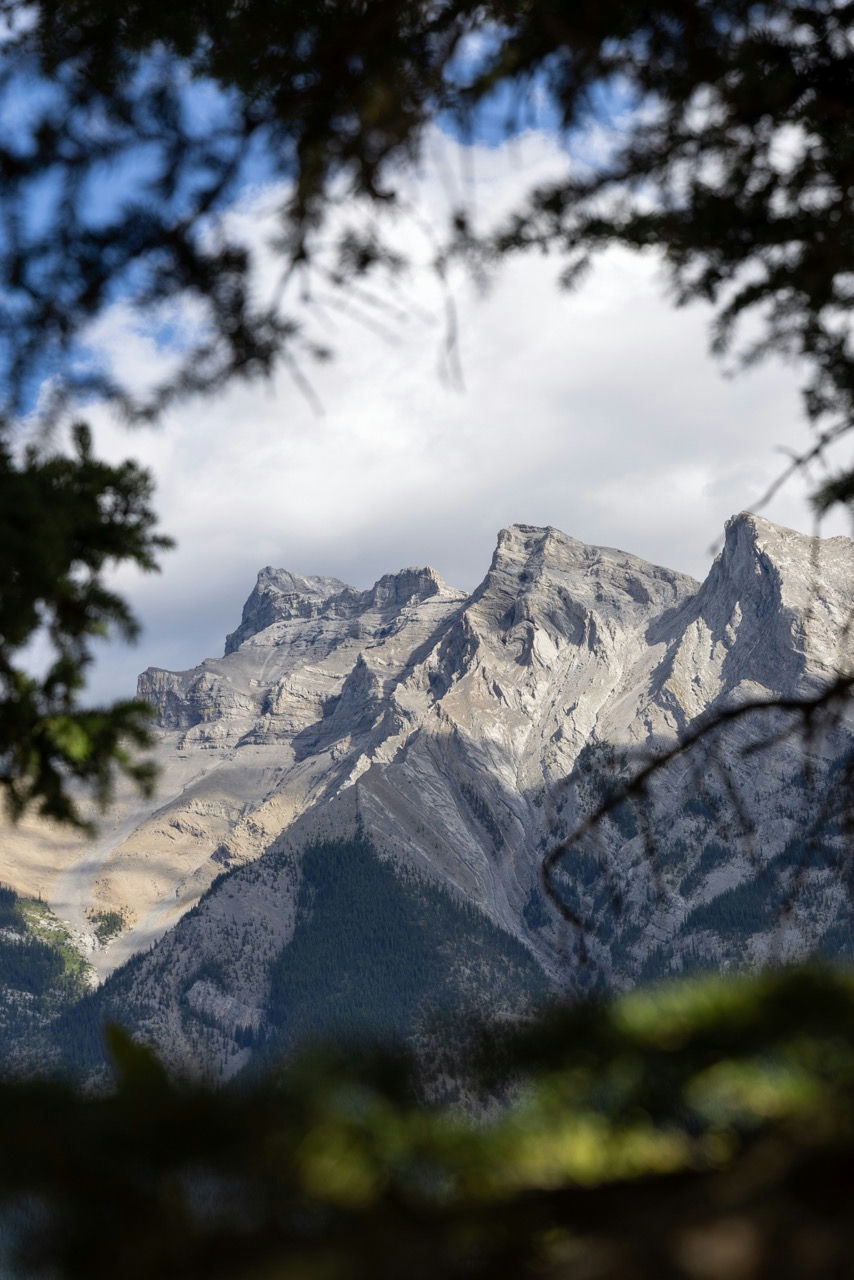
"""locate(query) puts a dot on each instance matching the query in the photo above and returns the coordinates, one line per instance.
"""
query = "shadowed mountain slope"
(463, 736)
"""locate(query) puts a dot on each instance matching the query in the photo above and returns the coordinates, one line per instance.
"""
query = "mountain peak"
(280, 594)
(543, 561)
(746, 528)
(288, 583)
(466, 736)
(796, 562)
(770, 615)
(451, 724)
(407, 585)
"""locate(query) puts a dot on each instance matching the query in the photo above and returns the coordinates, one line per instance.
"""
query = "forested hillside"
(41, 973)
(379, 955)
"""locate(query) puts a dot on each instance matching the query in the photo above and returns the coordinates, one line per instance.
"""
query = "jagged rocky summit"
(463, 736)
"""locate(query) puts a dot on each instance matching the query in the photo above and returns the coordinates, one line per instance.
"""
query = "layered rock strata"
(468, 733)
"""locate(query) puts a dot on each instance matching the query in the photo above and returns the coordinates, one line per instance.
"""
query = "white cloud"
(599, 412)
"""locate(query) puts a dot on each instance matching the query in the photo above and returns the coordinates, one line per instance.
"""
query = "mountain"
(449, 741)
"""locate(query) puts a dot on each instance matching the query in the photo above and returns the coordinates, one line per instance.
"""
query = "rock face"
(466, 735)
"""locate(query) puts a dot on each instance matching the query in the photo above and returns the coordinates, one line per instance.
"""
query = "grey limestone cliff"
(467, 734)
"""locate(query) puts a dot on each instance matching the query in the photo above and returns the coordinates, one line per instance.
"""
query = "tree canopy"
(127, 130)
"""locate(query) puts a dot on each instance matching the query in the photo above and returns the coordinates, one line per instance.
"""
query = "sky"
(600, 412)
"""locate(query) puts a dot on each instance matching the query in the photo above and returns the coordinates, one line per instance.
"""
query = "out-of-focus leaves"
(840, 489)
(590, 1168)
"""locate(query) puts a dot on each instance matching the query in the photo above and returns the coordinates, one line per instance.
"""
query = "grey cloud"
(599, 412)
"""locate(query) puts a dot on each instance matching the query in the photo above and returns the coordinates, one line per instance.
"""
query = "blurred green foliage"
(701, 1130)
